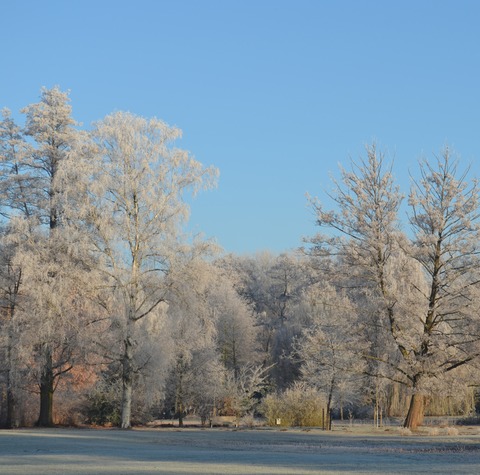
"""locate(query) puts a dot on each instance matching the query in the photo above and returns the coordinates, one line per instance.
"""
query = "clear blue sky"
(274, 93)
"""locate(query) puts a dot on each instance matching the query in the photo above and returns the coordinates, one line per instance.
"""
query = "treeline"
(110, 314)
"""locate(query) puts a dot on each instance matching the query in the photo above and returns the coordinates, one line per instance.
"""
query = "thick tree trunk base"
(45, 419)
(9, 422)
(45, 416)
(416, 412)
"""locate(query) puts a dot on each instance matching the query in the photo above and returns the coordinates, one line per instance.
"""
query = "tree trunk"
(10, 379)
(328, 426)
(415, 411)
(179, 407)
(180, 414)
(10, 401)
(45, 418)
(393, 404)
(127, 385)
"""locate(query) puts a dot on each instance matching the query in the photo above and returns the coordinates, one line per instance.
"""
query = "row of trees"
(108, 304)
(91, 235)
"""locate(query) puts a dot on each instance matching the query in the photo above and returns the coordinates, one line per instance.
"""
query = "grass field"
(227, 451)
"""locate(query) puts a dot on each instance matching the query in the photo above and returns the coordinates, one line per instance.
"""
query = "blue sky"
(274, 93)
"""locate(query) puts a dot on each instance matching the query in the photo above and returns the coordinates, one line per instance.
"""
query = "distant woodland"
(111, 314)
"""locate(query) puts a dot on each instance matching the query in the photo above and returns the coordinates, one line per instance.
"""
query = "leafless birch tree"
(135, 212)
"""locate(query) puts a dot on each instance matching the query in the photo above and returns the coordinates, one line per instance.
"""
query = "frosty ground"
(227, 451)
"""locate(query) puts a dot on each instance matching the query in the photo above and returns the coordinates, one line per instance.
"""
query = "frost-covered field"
(224, 451)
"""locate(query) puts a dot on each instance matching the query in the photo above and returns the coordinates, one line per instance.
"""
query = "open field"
(226, 451)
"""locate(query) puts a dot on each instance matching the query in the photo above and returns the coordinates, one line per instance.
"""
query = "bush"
(102, 403)
(298, 406)
(102, 410)
(405, 431)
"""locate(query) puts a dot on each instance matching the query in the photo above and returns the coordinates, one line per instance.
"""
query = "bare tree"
(135, 211)
(273, 286)
(213, 330)
(14, 196)
(328, 350)
(37, 197)
(10, 284)
(445, 219)
(357, 255)
(245, 389)
(421, 295)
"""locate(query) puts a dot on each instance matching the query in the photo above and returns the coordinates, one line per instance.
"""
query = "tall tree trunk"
(179, 407)
(416, 411)
(10, 399)
(47, 379)
(45, 418)
(393, 404)
(127, 384)
(9, 421)
(328, 425)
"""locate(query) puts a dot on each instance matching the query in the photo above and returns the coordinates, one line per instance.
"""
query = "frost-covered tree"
(135, 211)
(445, 220)
(245, 389)
(418, 298)
(50, 125)
(328, 350)
(14, 199)
(10, 284)
(37, 196)
(213, 330)
(235, 325)
(191, 325)
(273, 286)
(357, 254)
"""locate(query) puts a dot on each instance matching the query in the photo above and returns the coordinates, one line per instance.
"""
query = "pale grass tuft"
(405, 431)
(451, 431)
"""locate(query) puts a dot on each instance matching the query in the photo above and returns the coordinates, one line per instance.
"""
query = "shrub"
(298, 406)
(102, 410)
(102, 403)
